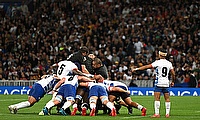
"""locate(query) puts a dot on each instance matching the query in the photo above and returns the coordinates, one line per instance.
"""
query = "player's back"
(47, 82)
(110, 83)
(76, 57)
(65, 68)
(163, 67)
(91, 84)
(73, 80)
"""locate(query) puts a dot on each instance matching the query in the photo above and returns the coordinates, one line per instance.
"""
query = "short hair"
(84, 49)
(163, 50)
(97, 61)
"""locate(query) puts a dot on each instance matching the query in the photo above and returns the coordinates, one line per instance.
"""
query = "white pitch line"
(12, 99)
(132, 117)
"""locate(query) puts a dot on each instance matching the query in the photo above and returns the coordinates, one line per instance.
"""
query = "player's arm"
(55, 65)
(173, 77)
(59, 84)
(85, 84)
(118, 89)
(84, 79)
(84, 69)
(142, 68)
(99, 78)
(78, 72)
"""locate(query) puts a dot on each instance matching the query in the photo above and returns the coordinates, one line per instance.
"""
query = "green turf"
(182, 108)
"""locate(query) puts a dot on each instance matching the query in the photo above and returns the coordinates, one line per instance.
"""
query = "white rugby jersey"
(110, 83)
(73, 80)
(162, 67)
(65, 68)
(47, 83)
(93, 84)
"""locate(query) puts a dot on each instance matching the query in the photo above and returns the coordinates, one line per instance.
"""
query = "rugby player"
(162, 83)
(38, 90)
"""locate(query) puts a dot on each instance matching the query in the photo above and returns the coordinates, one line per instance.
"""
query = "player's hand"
(43, 76)
(133, 69)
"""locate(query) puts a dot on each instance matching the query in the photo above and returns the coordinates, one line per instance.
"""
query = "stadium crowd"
(122, 33)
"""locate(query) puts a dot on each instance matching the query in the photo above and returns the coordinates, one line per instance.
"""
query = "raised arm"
(141, 68)
(78, 72)
(85, 79)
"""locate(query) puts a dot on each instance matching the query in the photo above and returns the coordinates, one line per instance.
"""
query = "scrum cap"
(162, 53)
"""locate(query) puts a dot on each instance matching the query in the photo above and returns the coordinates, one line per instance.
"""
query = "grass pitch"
(182, 108)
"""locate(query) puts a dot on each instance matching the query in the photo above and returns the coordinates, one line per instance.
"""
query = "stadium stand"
(121, 33)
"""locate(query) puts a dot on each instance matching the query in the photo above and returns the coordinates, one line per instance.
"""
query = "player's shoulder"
(167, 61)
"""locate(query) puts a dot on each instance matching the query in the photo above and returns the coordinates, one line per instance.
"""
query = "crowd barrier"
(139, 83)
(17, 82)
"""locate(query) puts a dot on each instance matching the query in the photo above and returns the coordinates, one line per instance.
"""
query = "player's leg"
(127, 99)
(34, 96)
(121, 102)
(116, 96)
(92, 102)
(85, 104)
(100, 106)
(112, 98)
(69, 94)
(156, 104)
(52, 99)
(67, 104)
(14, 108)
(167, 104)
(58, 99)
(136, 105)
(79, 94)
(93, 96)
(104, 99)
(110, 105)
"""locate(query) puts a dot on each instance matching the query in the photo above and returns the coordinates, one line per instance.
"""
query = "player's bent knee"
(104, 99)
(92, 100)
(59, 98)
(79, 97)
(70, 99)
